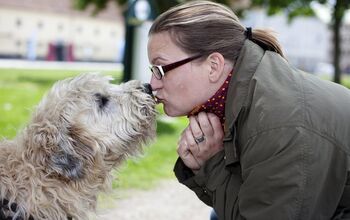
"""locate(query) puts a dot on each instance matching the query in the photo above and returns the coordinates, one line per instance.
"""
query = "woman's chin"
(169, 113)
(172, 112)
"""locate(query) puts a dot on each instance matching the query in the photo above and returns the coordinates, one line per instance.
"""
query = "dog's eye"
(101, 100)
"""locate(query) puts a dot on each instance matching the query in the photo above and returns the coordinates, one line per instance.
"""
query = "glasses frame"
(159, 71)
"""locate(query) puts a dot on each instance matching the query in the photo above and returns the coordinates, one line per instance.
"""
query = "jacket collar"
(245, 67)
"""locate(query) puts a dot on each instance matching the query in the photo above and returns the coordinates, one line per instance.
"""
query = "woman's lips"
(158, 100)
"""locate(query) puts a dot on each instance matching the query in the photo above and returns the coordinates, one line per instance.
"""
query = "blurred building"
(345, 33)
(307, 41)
(53, 30)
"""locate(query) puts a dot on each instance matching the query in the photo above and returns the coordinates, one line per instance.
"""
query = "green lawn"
(21, 90)
(345, 80)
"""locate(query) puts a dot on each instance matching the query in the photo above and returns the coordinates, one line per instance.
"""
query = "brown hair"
(203, 27)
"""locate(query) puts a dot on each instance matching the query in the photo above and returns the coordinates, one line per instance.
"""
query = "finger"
(193, 146)
(205, 124)
(195, 128)
(216, 125)
(184, 131)
(187, 157)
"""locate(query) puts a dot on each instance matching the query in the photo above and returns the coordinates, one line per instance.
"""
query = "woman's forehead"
(162, 47)
(160, 42)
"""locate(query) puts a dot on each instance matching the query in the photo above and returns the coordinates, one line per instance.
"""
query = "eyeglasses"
(159, 71)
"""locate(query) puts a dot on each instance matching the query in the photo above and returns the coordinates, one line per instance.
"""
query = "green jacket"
(286, 145)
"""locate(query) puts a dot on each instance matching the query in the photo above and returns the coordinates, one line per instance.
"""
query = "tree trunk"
(338, 14)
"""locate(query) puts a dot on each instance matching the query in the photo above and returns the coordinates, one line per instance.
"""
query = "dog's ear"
(72, 155)
(76, 153)
(67, 165)
(58, 149)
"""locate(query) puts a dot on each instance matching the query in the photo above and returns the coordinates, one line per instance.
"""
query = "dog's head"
(86, 122)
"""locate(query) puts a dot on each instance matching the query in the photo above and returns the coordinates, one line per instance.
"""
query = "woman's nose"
(156, 83)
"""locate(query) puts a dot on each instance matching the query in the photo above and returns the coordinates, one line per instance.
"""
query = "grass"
(21, 90)
(346, 81)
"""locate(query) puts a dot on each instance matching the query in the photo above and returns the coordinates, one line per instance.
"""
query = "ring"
(199, 140)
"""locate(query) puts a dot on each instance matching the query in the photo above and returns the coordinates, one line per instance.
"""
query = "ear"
(217, 64)
(67, 165)
(77, 153)
(57, 149)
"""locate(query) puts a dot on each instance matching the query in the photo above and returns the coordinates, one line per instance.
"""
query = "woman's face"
(183, 88)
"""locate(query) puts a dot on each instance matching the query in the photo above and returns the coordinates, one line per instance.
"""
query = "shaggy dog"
(83, 128)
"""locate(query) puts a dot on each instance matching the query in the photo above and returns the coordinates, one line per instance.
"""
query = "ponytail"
(266, 40)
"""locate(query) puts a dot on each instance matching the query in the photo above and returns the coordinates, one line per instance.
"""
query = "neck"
(215, 104)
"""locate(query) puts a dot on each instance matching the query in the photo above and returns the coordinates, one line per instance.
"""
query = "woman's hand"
(201, 140)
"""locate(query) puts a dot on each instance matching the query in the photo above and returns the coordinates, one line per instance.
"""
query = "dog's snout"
(147, 88)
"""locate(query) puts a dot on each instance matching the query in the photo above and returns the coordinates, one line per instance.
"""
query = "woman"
(264, 140)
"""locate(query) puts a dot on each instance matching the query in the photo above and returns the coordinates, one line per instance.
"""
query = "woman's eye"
(101, 100)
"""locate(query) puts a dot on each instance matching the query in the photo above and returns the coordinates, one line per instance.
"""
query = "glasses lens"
(156, 72)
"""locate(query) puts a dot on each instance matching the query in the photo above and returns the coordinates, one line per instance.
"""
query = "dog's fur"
(83, 128)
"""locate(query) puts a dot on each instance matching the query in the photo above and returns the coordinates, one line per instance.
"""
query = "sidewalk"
(169, 201)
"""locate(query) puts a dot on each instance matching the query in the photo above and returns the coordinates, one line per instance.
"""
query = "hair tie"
(248, 33)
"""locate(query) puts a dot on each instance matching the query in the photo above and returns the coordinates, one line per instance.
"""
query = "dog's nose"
(147, 88)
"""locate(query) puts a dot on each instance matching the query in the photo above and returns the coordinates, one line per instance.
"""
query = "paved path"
(169, 201)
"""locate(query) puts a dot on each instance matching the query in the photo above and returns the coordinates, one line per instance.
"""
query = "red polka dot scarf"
(216, 104)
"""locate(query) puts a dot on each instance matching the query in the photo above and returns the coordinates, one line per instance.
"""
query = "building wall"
(25, 31)
(305, 41)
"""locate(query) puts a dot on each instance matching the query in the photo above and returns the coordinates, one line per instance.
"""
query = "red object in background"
(60, 52)
(69, 52)
(51, 53)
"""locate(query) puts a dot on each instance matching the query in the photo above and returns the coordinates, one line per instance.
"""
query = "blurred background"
(315, 34)
(55, 31)
(42, 41)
